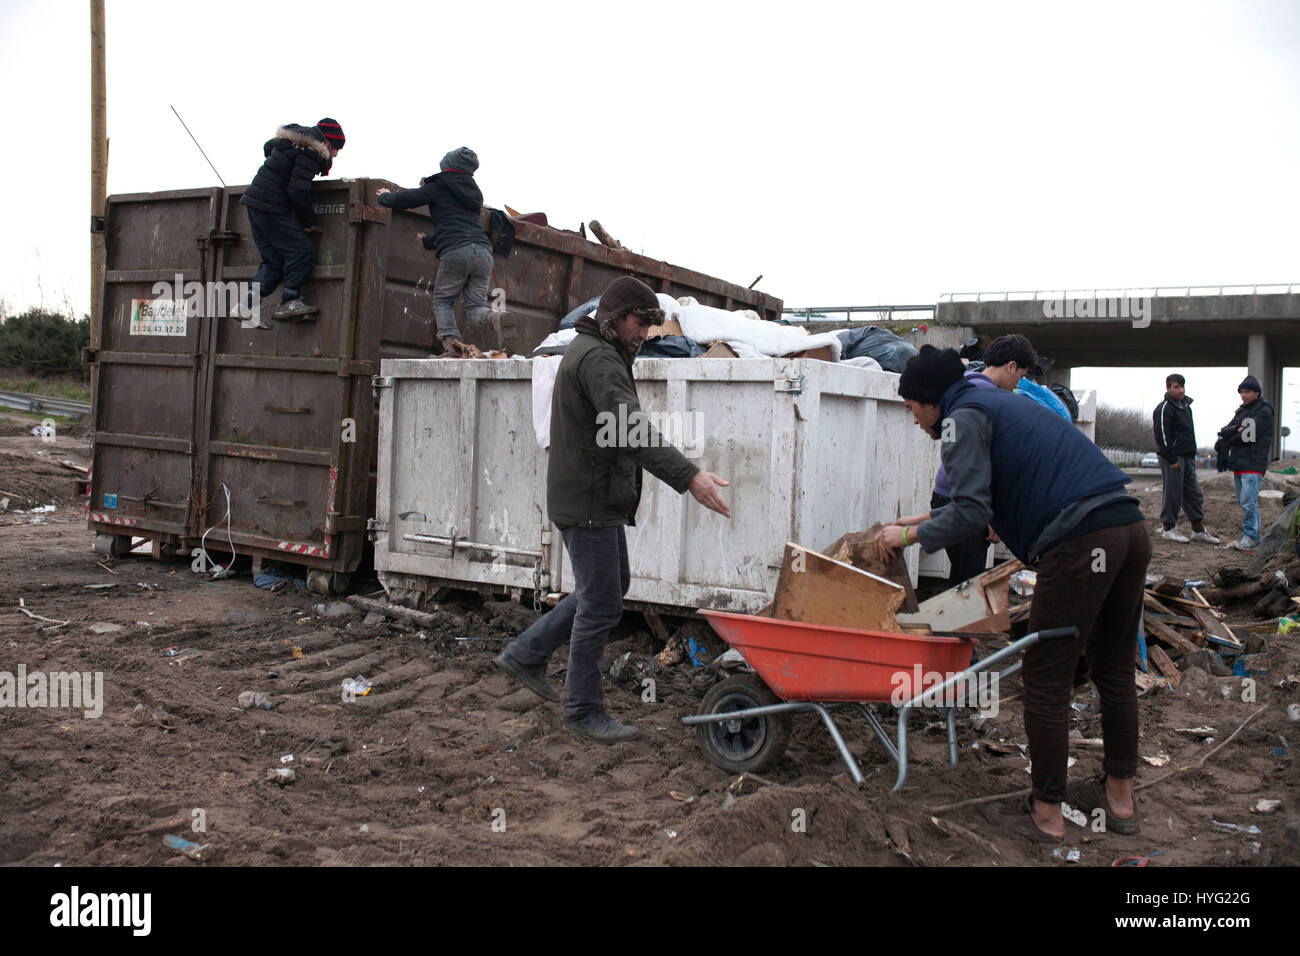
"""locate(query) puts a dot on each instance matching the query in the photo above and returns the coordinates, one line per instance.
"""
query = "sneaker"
(598, 726)
(1204, 535)
(255, 320)
(1173, 534)
(534, 678)
(1245, 544)
(293, 309)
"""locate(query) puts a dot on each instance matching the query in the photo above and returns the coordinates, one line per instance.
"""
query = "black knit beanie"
(929, 374)
(332, 132)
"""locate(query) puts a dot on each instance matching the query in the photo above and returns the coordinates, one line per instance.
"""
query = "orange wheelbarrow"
(744, 722)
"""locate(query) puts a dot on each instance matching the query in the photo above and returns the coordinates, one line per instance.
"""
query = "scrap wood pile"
(1184, 628)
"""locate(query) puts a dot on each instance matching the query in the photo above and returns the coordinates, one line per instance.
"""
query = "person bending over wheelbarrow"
(1059, 505)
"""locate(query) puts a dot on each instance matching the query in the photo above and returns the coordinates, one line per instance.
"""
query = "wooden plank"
(1145, 682)
(1214, 628)
(815, 589)
(1167, 667)
(1196, 593)
(981, 604)
(1169, 635)
(1178, 600)
(1154, 604)
(858, 548)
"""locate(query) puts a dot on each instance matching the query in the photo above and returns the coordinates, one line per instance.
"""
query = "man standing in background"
(1176, 446)
(1245, 442)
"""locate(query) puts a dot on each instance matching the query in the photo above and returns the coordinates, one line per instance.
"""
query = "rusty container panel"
(149, 368)
(280, 427)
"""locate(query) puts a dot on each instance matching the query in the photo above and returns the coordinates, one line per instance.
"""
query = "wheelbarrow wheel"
(749, 743)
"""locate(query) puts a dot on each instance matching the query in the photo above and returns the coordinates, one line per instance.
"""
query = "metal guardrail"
(828, 311)
(62, 407)
(1164, 291)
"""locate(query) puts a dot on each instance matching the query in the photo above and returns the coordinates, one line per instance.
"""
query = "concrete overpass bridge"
(1255, 326)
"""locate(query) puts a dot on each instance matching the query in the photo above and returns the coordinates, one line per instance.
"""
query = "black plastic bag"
(880, 344)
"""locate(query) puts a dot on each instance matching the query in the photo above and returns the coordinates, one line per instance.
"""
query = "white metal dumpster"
(812, 450)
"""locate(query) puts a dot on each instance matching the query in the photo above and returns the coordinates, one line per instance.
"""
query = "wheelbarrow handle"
(1052, 632)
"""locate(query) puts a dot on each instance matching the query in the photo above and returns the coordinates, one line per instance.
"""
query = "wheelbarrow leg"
(847, 757)
(903, 714)
(952, 735)
(871, 720)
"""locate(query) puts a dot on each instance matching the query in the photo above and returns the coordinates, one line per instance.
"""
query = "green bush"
(43, 343)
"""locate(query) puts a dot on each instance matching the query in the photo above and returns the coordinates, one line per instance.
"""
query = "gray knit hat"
(464, 159)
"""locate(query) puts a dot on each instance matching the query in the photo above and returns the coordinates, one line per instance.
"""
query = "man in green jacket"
(600, 441)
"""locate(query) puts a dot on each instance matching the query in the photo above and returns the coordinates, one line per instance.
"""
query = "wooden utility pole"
(98, 159)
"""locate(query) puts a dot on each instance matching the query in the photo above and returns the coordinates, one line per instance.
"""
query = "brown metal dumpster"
(265, 441)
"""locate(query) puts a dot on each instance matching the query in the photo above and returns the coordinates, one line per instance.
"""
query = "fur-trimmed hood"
(306, 137)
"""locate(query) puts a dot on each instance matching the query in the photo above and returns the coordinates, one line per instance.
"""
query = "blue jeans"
(584, 617)
(1247, 487)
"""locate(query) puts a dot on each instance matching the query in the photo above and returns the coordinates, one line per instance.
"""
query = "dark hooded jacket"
(294, 157)
(1174, 431)
(592, 482)
(1245, 455)
(454, 202)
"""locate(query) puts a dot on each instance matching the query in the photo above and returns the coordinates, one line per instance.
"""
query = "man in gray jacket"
(600, 441)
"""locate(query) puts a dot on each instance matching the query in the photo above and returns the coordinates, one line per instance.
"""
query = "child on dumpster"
(278, 203)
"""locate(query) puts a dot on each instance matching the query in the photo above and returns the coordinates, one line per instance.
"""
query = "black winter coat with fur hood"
(294, 157)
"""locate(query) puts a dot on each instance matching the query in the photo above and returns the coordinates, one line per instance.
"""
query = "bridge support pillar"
(1263, 362)
(1058, 375)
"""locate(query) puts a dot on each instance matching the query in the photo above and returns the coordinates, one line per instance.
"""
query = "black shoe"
(598, 726)
(534, 678)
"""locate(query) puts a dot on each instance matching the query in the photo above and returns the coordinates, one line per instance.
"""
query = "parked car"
(1150, 460)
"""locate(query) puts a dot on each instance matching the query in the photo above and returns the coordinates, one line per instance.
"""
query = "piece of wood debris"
(1167, 667)
(1171, 637)
(1215, 629)
(815, 589)
(955, 829)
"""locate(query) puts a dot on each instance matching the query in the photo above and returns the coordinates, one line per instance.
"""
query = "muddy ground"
(444, 750)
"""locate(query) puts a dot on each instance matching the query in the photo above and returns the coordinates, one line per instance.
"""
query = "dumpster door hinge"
(792, 384)
(89, 356)
(376, 526)
(223, 235)
(363, 213)
(381, 381)
(97, 225)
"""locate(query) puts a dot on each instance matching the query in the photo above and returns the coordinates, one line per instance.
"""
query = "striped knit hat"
(332, 132)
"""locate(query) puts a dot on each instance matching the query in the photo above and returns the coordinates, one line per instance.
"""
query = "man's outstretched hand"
(704, 489)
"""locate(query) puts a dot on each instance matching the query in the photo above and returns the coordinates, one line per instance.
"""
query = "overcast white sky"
(851, 153)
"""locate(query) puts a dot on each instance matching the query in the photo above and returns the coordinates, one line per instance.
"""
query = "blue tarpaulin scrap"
(271, 576)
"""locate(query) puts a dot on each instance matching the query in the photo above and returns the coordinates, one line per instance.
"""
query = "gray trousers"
(467, 268)
(1182, 491)
(584, 617)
